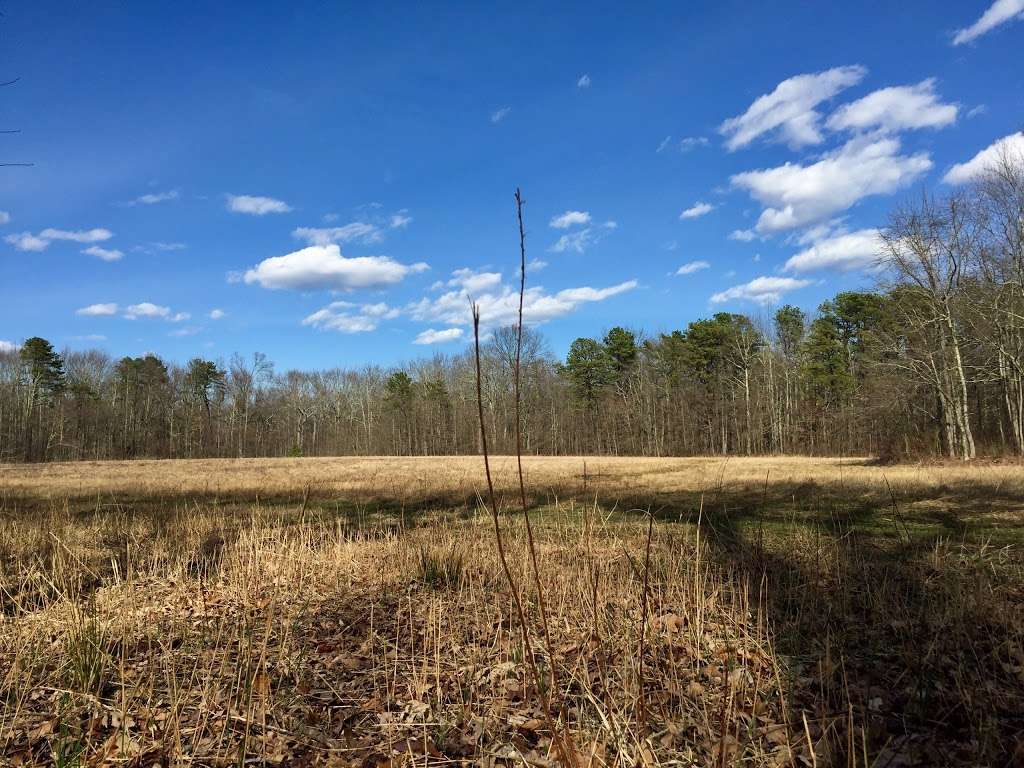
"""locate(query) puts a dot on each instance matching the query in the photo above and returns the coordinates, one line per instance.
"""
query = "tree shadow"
(900, 620)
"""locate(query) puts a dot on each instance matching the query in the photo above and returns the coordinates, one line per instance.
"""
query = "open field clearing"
(355, 612)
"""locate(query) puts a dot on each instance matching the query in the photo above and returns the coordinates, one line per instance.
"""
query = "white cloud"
(98, 310)
(5, 217)
(535, 265)
(217, 314)
(760, 290)
(146, 309)
(347, 317)
(473, 282)
(893, 109)
(8, 346)
(500, 306)
(697, 210)
(500, 114)
(322, 267)
(664, 144)
(149, 310)
(26, 241)
(583, 82)
(692, 266)
(1011, 145)
(153, 197)
(742, 235)
(357, 230)
(569, 219)
(400, 220)
(797, 195)
(431, 336)
(188, 330)
(1000, 12)
(582, 239)
(107, 254)
(981, 109)
(843, 252)
(789, 109)
(78, 235)
(256, 206)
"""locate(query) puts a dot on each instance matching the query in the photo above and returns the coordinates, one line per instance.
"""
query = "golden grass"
(432, 476)
(160, 625)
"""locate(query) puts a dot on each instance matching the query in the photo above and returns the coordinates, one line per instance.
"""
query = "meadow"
(355, 611)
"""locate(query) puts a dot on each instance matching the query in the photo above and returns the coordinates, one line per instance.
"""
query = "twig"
(500, 544)
(519, 446)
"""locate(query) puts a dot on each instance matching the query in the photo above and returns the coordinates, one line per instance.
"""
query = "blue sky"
(326, 183)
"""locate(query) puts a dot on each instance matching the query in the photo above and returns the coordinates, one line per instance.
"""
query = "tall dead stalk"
(566, 756)
(517, 376)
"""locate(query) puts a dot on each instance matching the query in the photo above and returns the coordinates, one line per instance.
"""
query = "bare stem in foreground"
(524, 629)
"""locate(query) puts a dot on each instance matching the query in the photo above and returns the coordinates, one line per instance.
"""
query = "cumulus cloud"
(256, 206)
(153, 198)
(697, 210)
(788, 111)
(842, 252)
(431, 336)
(500, 114)
(26, 241)
(999, 13)
(797, 195)
(583, 82)
(107, 254)
(894, 109)
(499, 305)
(399, 220)
(569, 219)
(322, 267)
(962, 173)
(742, 235)
(8, 346)
(357, 231)
(760, 290)
(473, 282)
(692, 266)
(217, 314)
(147, 309)
(98, 310)
(348, 317)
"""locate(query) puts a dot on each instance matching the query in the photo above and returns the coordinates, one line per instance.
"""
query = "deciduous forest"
(929, 362)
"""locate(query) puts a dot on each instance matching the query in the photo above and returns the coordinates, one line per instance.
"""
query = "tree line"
(929, 362)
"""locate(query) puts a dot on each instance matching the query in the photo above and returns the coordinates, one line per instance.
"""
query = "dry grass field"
(783, 611)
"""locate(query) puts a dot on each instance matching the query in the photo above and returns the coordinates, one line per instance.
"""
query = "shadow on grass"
(903, 616)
